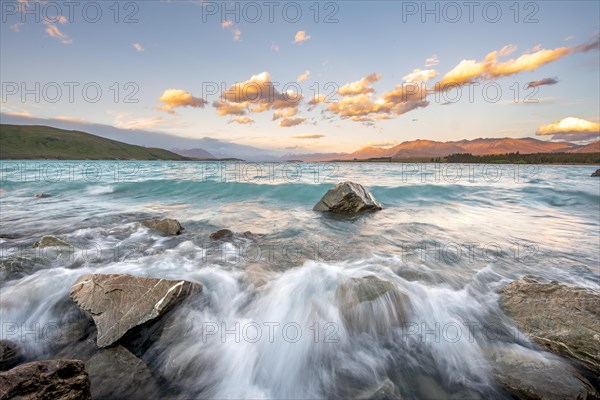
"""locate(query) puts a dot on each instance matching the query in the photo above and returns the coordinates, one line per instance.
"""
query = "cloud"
(285, 113)
(53, 31)
(383, 144)
(541, 82)
(242, 120)
(419, 75)
(274, 47)
(287, 122)
(226, 24)
(173, 98)
(490, 67)
(16, 27)
(570, 128)
(432, 61)
(23, 114)
(138, 47)
(300, 37)
(124, 120)
(361, 86)
(255, 95)
(71, 119)
(311, 136)
(304, 76)
(235, 32)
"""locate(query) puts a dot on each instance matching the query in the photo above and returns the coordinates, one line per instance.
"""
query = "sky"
(307, 77)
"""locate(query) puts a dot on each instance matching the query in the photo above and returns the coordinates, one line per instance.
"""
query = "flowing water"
(314, 305)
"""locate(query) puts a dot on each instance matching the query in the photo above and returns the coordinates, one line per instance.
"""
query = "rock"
(165, 226)
(50, 379)
(385, 391)
(597, 173)
(370, 304)
(347, 198)
(115, 373)
(226, 235)
(561, 318)
(50, 241)
(222, 234)
(43, 195)
(15, 268)
(10, 355)
(118, 303)
(527, 374)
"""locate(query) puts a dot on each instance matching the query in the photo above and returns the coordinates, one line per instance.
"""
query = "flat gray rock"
(165, 226)
(347, 198)
(118, 303)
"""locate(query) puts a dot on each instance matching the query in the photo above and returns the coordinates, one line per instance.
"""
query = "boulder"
(10, 355)
(50, 379)
(597, 173)
(561, 318)
(115, 373)
(50, 241)
(370, 304)
(43, 195)
(165, 226)
(527, 374)
(347, 198)
(16, 267)
(118, 303)
(226, 235)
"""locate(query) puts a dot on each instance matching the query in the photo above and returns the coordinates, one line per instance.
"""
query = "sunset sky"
(540, 74)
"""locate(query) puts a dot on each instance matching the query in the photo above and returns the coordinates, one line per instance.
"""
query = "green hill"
(25, 142)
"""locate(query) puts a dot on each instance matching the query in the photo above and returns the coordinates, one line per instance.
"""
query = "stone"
(371, 304)
(597, 173)
(42, 380)
(43, 195)
(527, 374)
(386, 390)
(222, 235)
(118, 303)
(562, 318)
(10, 355)
(50, 241)
(347, 198)
(116, 373)
(165, 226)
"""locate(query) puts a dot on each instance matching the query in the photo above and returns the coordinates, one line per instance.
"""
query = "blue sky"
(183, 46)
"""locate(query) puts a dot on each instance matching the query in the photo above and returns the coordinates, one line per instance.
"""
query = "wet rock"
(118, 303)
(527, 374)
(10, 355)
(165, 226)
(15, 268)
(115, 373)
(370, 304)
(384, 391)
(347, 198)
(226, 235)
(43, 195)
(50, 379)
(50, 241)
(10, 236)
(561, 318)
(597, 173)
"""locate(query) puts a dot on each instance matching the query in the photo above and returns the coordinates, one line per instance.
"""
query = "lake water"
(269, 323)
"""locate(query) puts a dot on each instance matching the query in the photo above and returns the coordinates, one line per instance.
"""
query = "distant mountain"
(509, 145)
(44, 142)
(194, 153)
(593, 147)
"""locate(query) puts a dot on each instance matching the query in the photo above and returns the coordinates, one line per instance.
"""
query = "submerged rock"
(50, 379)
(50, 241)
(43, 195)
(527, 374)
(115, 373)
(347, 198)
(370, 304)
(165, 226)
(561, 318)
(10, 355)
(226, 235)
(118, 303)
(597, 173)
(15, 268)
(387, 390)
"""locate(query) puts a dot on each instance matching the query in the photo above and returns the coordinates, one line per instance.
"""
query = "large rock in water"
(165, 226)
(562, 318)
(42, 380)
(10, 355)
(50, 241)
(115, 373)
(347, 198)
(118, 303)
(597, 173)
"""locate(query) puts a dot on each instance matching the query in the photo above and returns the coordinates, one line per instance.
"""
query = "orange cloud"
(287, 122)
(304, 76)
(53, 31)
(138, 47)
(300, 37)
(570, 128)
(173, 98)
(361, 86)
(311, 136)
(242, 120)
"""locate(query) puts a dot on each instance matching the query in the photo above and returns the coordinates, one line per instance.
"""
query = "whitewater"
(269, 322)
